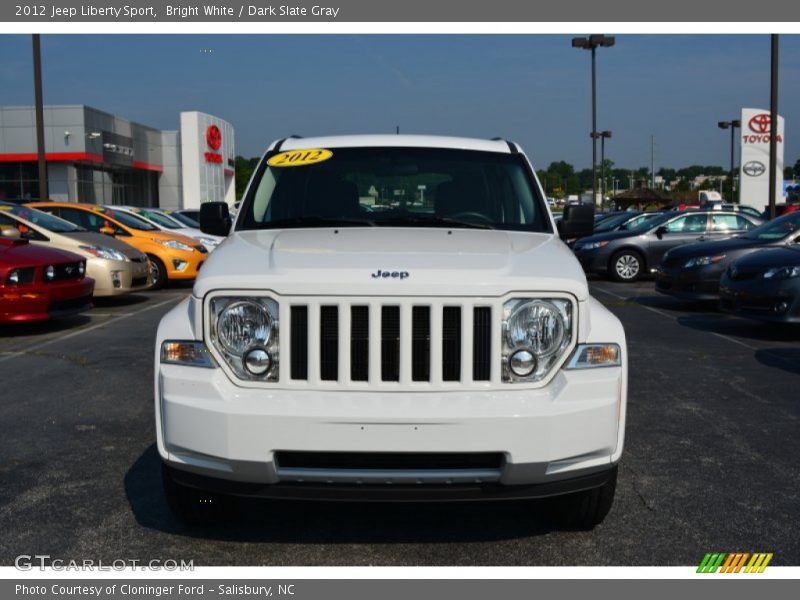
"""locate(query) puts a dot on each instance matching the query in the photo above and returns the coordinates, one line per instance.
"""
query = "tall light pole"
(44, 194)
(773, 124)
(593, 42)
(732, 125)
(602, 135)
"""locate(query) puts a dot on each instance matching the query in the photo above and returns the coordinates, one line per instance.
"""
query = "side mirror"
(661, 231)
(107, 231)
(215, 218)
(577, 221)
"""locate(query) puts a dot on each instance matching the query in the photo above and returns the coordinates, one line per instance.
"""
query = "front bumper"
(40, 302)
(393, 493)
(700, 283)
(114, 278)
(761, 299)
(209, 426)
(183, 265)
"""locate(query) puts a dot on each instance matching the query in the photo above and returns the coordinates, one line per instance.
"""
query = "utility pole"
(652, 162)
(44, 193)
(773, 125)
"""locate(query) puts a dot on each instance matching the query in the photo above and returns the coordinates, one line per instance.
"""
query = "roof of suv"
(387, 140)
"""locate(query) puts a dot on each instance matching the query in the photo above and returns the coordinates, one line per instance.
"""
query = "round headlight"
(537, 325)
(257, 361)
(49, 273)
(242, 325)
(13, 277)
(522, 363)
(82, 268)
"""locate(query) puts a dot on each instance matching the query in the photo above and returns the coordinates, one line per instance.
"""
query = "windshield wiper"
(316, 222)
(431, 221)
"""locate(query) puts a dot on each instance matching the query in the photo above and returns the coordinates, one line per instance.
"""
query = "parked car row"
(57, 255)
(750, 267)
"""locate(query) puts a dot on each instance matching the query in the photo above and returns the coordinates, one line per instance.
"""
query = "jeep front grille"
(392, 342)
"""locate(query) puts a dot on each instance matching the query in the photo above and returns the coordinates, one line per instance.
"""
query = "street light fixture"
(593, 42)
(732, 125)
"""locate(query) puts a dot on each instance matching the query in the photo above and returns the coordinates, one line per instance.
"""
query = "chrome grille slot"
(421, 343)
(329, 343)
(390, 343)
(451, 343)
(359, 343)
(299, 342)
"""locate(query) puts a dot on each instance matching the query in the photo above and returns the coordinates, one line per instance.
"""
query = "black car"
(627, 255)
(692, 272)
(764, 285)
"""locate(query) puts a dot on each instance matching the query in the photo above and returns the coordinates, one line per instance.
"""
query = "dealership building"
(94, 156)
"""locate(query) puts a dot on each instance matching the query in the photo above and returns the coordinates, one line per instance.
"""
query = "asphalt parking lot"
(712, 457)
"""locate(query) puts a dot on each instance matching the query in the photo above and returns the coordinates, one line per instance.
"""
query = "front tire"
(626, 266)
(159, 272)
(193, 506)
(582, 511)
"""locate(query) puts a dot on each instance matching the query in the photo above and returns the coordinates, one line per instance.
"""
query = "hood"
(424, 261)
(768, 258)
(165, 235)
(714, 247)
(19, 253)
(90, 238)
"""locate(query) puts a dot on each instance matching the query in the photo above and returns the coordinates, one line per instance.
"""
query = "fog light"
(115, 279)
(522, 363)
(257, 361)
(781, 307)
(50, 273)
(179, 265)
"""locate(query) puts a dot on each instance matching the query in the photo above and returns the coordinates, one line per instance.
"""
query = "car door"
(684, 229)
(724, 225)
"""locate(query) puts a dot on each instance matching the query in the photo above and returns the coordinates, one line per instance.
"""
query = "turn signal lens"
(189, 353)
(590, 356)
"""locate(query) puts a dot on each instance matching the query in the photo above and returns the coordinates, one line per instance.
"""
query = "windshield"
(186, 220)
(413, 187)
(159, 219)
(612, 222)
(131, 221)
(636, 221)
(42, 219)
(776, 229)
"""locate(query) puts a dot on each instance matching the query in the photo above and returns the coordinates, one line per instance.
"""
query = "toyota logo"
(754, 168)
(213, 137)
(760, 123)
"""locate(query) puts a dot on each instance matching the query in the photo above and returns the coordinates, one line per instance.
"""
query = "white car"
(391, 317)
(165, 222)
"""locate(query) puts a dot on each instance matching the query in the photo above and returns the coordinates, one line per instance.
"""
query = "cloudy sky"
(533, 89)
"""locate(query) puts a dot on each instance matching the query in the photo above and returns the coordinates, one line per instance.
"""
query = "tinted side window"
(723, 223)
(688, 224)
(25, 232)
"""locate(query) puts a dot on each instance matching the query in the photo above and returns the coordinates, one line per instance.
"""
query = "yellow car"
(173, 256)
(116, 267)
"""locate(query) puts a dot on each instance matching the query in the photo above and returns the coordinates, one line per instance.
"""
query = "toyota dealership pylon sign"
(754, 161)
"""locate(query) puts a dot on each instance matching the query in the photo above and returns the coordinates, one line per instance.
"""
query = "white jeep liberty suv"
(391, 317)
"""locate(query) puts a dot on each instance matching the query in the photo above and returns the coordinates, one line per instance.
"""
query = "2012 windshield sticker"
(300, 158)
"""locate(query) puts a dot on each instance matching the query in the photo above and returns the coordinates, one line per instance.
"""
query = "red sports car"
(38, 283)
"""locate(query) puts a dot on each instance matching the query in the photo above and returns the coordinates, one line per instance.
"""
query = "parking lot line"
(674, 318)
(22, 351)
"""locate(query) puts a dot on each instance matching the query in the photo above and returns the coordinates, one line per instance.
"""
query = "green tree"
(243, 169)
